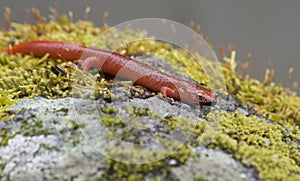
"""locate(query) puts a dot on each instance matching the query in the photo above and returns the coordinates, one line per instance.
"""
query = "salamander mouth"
(207, 100)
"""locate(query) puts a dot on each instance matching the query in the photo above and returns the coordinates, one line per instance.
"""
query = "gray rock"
(65, 139)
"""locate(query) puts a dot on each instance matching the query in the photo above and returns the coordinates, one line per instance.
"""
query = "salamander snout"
(207, 100)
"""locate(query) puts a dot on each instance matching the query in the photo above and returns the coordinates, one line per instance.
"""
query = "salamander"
(122, 66)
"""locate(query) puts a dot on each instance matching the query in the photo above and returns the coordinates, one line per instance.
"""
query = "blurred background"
(269, 30)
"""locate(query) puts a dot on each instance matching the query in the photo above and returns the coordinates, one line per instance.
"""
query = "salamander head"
(207, 99)
(190, 93)
(197, 94)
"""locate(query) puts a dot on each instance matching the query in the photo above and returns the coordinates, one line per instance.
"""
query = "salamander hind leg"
(90, 62)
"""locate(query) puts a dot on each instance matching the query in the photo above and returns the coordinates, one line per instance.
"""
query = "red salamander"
(122, 66)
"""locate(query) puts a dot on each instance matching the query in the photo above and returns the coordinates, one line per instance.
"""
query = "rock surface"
(58, 139)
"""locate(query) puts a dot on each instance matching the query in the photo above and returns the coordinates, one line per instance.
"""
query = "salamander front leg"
(168, 92)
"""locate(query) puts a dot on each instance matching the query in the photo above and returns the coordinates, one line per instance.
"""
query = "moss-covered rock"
(41, 126)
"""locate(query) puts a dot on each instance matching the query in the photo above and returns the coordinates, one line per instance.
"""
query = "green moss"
(6, 100)
(112, 123)
(108, 109)
(119, 170)
(5, 139)
(155, 178)
(252, 141)
(273, 101)
(139, 112)
(199, 178)
(257, 144)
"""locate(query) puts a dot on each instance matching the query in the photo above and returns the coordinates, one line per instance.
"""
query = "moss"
(5, 139)
(257, 144)
(270, 100)
(252, 141)
(108, 109)
(139, 112)
(199, 178)
(32, 81)
(186, 126)
(112, 123)
(6, 100)
(119, 170)
(155, 178)
(274, 101)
